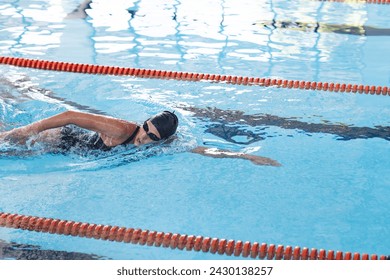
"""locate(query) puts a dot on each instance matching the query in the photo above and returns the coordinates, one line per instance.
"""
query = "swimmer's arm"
(216, 153)
(115, 129)
(109, 126)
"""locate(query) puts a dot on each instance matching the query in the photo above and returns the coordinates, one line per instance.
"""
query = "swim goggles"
(150, 134)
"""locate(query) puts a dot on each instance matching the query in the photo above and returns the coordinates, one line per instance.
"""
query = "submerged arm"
(215, 153)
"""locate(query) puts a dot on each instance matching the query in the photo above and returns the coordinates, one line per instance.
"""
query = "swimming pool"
(332, 188)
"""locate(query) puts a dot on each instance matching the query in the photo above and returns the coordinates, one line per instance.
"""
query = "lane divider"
(186, 76)
(359, 1)
(175, 241)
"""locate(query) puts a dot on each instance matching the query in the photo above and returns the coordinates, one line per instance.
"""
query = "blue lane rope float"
(186, 76)
(176, 241)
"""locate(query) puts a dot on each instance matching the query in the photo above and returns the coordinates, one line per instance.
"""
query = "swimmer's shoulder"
(130, 127)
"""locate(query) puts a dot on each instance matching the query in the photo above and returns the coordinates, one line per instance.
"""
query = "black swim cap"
(166, 123)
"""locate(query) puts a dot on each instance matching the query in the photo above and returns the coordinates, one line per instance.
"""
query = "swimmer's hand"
(19, 135)
(258, 160)
(213, 152)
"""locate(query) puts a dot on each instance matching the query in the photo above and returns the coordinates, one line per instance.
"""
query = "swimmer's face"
(145, 133)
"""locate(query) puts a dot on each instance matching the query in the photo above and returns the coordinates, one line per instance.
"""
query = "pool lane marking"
(358, 1)
(187, 76)
(175, 240)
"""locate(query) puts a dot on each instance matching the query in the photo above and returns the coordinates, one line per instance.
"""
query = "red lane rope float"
(359, 1)
(175, 241)
(186, 76)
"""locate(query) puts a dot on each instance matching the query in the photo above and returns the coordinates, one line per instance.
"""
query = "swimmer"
(68, 129)
(98, 132)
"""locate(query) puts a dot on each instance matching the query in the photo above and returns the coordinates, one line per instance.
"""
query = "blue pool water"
(332, 189)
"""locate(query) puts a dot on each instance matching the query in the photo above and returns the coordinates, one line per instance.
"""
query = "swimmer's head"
(166, 123)
(156, 128)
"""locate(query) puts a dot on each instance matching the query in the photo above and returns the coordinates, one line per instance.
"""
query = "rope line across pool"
(186, 76)
(359, 1)
(175, 241)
